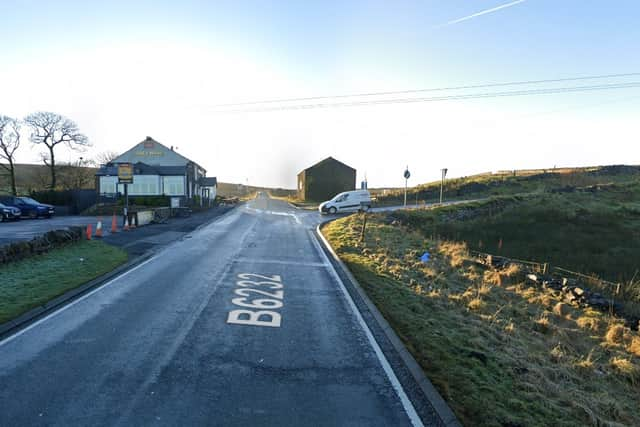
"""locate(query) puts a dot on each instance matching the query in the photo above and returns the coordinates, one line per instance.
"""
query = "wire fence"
(546, 268)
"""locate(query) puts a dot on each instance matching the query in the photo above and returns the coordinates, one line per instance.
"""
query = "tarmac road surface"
(242, 322)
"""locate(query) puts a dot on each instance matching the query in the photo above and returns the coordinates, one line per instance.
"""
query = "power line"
(404, 92)
(527, 92)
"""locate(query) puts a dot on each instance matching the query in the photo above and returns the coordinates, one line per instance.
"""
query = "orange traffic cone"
(99, 227)
(126, 224)
(114, 224)
(89, 232)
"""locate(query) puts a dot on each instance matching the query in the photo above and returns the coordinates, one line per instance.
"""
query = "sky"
(124, 70)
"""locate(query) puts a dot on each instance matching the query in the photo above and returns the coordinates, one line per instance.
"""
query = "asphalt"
(27, 229)
(159, 344)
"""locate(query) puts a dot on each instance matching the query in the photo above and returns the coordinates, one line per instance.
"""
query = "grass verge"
(499, 351)
(32, 282)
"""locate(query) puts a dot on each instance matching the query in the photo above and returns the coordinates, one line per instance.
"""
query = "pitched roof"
(152, 151)
(208, 181)
(328, 159)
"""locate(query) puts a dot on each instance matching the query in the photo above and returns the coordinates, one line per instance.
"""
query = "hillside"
(511, 182)
(593, 229)
(501, 351)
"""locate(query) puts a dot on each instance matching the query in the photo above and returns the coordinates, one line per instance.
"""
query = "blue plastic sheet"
(425, 257)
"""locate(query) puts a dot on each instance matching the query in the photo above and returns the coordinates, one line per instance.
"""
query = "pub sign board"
(125, 173)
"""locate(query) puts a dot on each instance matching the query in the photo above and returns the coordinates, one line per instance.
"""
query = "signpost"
(125, 177)
(444, 174)
(407, 175)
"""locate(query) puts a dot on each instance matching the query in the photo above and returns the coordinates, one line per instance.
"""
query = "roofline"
(324, 160)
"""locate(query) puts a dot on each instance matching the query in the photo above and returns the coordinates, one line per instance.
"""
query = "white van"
(349, 201)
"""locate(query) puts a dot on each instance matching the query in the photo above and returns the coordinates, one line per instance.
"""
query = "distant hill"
(30, 177)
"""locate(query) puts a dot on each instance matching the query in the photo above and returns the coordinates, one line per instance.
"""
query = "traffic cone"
(126, 224)
(89, 232)
(114, 224)
(99, 227)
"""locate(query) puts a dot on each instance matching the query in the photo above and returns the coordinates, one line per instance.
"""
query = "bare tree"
(9, 143)
(106, 157)
(52, 129)
(76, 175)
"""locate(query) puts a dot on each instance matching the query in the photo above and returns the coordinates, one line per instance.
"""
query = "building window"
(143, 185)
(173, 185)
(108, 184)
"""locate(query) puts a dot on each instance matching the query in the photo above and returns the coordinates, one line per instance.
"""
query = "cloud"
(483, 12)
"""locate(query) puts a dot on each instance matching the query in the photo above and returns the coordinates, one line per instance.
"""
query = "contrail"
(484, 12)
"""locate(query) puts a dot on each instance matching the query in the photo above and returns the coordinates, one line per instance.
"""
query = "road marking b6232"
(263, 286)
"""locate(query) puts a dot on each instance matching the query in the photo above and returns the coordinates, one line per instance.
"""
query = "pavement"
(242, 321)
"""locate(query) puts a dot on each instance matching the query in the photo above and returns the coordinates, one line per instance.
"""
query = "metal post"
(126, 202)
(407, 175)
(405, 192)
(444, 173)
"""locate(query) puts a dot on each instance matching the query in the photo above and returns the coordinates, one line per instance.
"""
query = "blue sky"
(124, 70)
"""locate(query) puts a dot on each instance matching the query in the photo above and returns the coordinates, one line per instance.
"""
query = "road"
(165, 343)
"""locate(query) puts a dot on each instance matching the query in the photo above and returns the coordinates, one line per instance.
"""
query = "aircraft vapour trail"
(483, 12)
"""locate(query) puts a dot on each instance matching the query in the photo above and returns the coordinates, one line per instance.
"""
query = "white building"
(157, 171)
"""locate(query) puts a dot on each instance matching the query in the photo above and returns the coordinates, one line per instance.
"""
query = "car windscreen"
(28, 201)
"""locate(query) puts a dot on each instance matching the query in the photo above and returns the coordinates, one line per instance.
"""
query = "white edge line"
(72, 303)
(404, 399)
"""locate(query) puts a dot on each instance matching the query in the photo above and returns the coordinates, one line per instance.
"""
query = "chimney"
(172, 148)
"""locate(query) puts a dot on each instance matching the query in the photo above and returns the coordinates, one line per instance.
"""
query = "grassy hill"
(590, 230)
(511, 182)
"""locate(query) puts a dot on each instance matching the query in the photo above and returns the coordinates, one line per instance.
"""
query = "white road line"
(72, 303)
(281, 262)
(404, 399)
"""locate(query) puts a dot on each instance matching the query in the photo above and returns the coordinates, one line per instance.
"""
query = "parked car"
(349, 201)
(9, 212)
(28, 207)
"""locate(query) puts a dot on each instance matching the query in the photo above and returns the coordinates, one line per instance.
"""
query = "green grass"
(524, 182)
(492, 345)
(32, 282)
(589, 232)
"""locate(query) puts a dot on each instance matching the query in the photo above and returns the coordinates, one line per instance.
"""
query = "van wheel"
(365, 208)
(332, 210)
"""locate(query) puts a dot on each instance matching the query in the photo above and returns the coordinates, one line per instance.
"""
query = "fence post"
(545, 268)
(364, 226)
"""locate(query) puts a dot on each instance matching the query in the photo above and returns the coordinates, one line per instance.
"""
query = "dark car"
(29, 207)
(9, 212)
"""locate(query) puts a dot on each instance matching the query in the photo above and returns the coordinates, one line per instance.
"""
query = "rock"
(578, 291)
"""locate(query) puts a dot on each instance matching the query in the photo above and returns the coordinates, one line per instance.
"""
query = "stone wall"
(52, 239)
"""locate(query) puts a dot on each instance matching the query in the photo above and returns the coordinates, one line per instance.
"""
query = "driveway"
(27, 229)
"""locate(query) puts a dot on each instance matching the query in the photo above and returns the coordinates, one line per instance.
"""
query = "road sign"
(407, 174)
(125, 173)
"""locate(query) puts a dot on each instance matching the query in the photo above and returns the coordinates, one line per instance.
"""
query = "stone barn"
(325, 179)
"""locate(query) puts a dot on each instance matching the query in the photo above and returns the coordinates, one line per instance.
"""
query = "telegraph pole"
(407, 175)
(444, 174)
